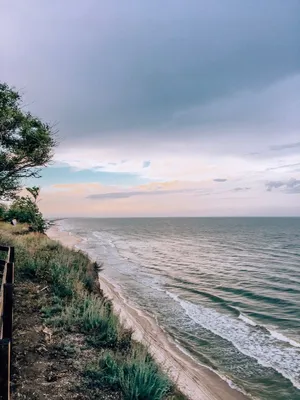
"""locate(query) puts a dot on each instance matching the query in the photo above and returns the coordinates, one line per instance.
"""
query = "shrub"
(3, 210)
(137, 376)
(39, 224)
(25, 210)
(90, 314)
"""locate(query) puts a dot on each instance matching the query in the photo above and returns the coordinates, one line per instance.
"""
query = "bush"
(39, 224)
(90, 314)
(25, 210)
(3, 210)
(137, 376)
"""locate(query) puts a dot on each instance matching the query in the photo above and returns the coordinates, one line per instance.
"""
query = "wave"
(213, 297)
(267, 349)
(225, 378)
(247, 320)
(283, 338)
(255, 296)
(104, 238)
(276, 335)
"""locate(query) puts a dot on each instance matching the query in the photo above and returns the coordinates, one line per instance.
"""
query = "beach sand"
(195, 381)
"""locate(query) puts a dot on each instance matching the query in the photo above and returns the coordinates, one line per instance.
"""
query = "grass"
(66, 350)
(77, 306)
(91, 315)
(137, 376)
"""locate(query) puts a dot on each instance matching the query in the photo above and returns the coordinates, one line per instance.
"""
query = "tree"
(34, 191)
(25, 210)
(3, 210)
(26, 143)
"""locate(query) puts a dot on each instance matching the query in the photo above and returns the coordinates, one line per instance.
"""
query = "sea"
(226, 290)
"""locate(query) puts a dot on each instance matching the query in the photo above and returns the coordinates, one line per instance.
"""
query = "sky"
(163, 108)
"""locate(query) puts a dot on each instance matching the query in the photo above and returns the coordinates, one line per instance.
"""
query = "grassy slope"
(70, 305)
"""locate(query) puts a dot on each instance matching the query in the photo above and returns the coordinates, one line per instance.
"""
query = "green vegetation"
(77, 307)
(137, 376)
(26, 143)
(25, 210)
(3, 209)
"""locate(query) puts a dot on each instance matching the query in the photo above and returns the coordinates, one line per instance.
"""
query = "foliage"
(34, 191)
(26, 143)
(39, 224)
(3, 209)
(137, 376)
(25, 210)
(90, 314)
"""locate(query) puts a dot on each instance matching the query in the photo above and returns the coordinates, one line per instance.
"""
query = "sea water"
(227, 290)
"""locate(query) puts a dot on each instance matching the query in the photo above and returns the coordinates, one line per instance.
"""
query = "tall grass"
(91, 315)
(137, 376)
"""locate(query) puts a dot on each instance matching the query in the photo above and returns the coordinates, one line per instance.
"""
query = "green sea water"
(226, 289)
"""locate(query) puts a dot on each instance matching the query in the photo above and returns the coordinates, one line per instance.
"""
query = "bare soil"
(48, 364)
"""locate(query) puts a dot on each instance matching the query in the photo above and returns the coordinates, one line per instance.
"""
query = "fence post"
(7, 310)
(12, 254)
(10, 272)
(5, 369)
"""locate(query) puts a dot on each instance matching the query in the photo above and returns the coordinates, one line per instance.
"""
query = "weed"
(136, 376)
(66, 350)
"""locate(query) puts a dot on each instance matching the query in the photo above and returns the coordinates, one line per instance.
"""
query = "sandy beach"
(195, 381)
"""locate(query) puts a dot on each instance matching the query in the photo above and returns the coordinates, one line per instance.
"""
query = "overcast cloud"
(164, 90)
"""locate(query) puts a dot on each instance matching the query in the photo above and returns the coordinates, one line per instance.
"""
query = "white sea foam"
(247, 320)
(173, 296)
(268, 350)
(223, 377)
(283, 338)
(274, 334)
(105, 238)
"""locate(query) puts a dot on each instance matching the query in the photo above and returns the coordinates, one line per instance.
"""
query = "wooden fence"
(6, 312)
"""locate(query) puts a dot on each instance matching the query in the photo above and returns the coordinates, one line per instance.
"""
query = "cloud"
(291, 186)
(155, 189)
(143, 93)
(146, 164)
(274, 185)
(147, 76)
(125, 195)
(285, 146)
(241, 189)
(71, 200)
(284, 166)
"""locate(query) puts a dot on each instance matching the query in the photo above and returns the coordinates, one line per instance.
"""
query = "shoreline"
(197, 382)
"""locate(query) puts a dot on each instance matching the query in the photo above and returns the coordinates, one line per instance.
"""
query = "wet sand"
(195, 381)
